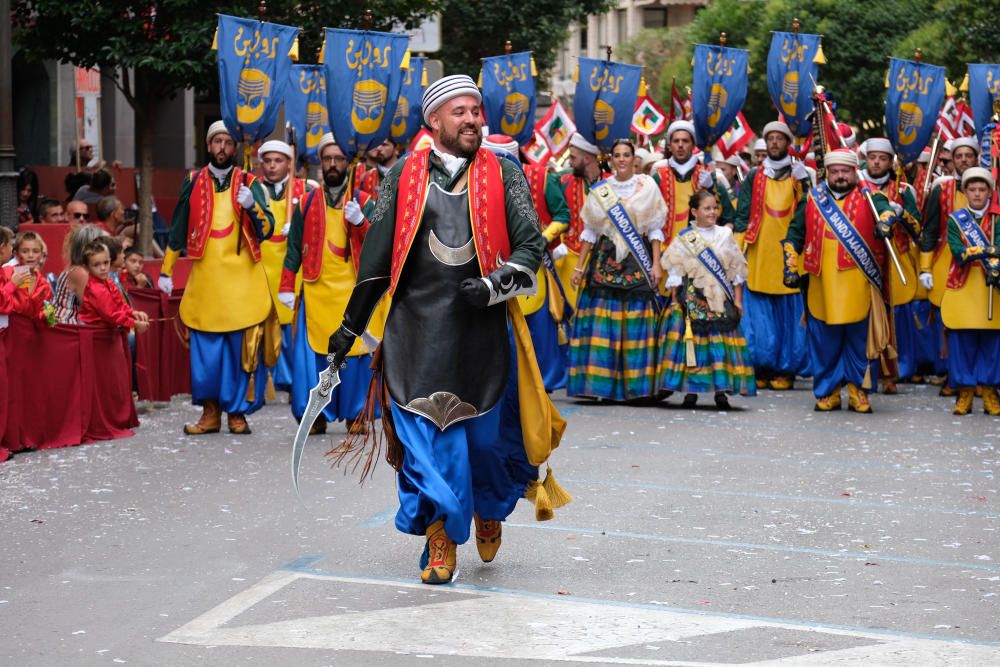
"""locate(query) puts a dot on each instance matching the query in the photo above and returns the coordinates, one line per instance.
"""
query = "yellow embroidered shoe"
(963, 404)
(487, 538)
(948, 392)
(991, 401)
(762, 383)
(238, 424)
(857, 400)
(209, 422)
(441, 552)
(829, 403)
(782, 382)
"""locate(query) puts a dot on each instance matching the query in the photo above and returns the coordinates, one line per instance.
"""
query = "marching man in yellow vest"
(576, 186)
(284, 192)
(966, 306)
(221, 219)
(325, 239)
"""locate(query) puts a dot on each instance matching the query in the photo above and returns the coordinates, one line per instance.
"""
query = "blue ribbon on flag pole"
(791, 78)
(605, 100)
(364, 76)
(305, 108)
(915, 95)
(509, 95)
(406, 121)
(253, 61)
(718, 91)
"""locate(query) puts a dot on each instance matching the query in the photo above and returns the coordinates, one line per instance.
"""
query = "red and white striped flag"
(738, 136)
(676, 104)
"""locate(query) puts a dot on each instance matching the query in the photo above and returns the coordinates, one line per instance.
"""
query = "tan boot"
(782, 382)
(238, 424)
(487, 538)
(209, 422)
(963, 405)
(441, 553)
(889, 388)
(948, 392)
(829, 403)
(991, 401)
(857, 400)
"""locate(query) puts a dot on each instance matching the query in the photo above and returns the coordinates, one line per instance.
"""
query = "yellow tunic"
(565, 267)
(942, 263)
(682, 195)
(765, 258)
(272, 253)
(226, 291)
(966, 308)
(531, 304)
(326, 297)
(838, 296)
(900, 295)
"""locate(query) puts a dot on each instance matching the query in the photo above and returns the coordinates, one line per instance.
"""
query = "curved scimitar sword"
(319, 398)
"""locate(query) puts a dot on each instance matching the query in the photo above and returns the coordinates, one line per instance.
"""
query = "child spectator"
(6, 245)
(133, 275)
(114, 246)
(33, 290)
(103, 302)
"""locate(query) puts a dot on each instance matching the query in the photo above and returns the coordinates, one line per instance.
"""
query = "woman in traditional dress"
(614, 339)
(703, 349)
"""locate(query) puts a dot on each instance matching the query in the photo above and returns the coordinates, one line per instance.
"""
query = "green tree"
(475, 30)
(151, 51)
(962, 32)
(662, 53)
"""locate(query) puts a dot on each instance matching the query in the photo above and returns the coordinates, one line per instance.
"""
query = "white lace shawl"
(645, 207)
(678, 262)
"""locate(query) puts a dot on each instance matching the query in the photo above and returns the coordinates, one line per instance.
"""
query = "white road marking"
(525, 626)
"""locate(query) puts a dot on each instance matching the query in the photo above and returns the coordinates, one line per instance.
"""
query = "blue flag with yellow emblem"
(508, 85)
(718, 91)
(984, 90)
(912, 103)
(364, 76)
(305, 108)
(407, 119)
(792, 69)
(605, 100)
(254, 60)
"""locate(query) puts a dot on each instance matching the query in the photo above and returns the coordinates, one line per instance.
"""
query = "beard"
(457, 143)
(220, 162)
(384, 159)
(841, 185)
(334, 177)
(778, 154)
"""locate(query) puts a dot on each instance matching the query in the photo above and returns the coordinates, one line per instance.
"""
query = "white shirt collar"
(979, 212)
(452, 163)
(219, 174)
(880, 181)
(683, 169)
(772, 166)
(280, 185)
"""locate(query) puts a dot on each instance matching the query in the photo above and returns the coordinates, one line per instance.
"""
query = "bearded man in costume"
(454, 238)
(221, 219)
(586, 170)
(772, 316)
(844, 256)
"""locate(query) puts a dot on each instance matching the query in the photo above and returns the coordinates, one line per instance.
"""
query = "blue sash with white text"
(972, 232)
(697, 246)
(848, 236)
(616, 212)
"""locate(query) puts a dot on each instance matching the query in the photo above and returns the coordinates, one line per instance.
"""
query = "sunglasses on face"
(79, 215)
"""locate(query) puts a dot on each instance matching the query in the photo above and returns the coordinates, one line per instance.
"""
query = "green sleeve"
(376, 253)
(955, 242)
(656, 176)
(261, 212)
(526, 242)
(931, 232)
(727, 215)
(179, 223)
(797, 227)
(742, 217)
(293, 249)
(555, 199)
(911, 212)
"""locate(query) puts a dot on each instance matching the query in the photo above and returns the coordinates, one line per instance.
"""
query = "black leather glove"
(340, 344)
(475, 292)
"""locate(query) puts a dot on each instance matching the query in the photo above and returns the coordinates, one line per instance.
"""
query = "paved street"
(766, 535)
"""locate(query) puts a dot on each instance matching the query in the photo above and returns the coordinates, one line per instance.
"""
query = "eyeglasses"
(79, 215)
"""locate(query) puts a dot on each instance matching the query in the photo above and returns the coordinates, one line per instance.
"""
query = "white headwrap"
(577, 141)
(218, 127)
(275, 146)
(445, 89)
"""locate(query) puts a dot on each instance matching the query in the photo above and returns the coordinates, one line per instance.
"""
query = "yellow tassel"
(965, 84)
(531, 491)
(563, 338)
(423, 77)
(690, 358)
(215, 40)
(251, 394)
(534, 70)
(543, 506)
(293, 52)
(949, 88)
(405, 65)
(576, 74)
(479, 81)
(558, 496)
(820, 57)
(642, 86)
(322, 53)
(270, 393)
(887, 78)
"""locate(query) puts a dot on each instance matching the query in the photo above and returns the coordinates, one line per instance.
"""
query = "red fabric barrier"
(4, 452)
(162, 362)
(67, 385)
(182, 269)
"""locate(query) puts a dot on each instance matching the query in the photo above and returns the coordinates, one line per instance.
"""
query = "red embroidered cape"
(486, 208)
(758, 203)
(675, 215)
(294, 190)
(958, 274)
(858, 211)
(314, 234)
(201, 205)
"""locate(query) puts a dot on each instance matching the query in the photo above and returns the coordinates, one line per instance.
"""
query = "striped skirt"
(613, 345)
(722, 360)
